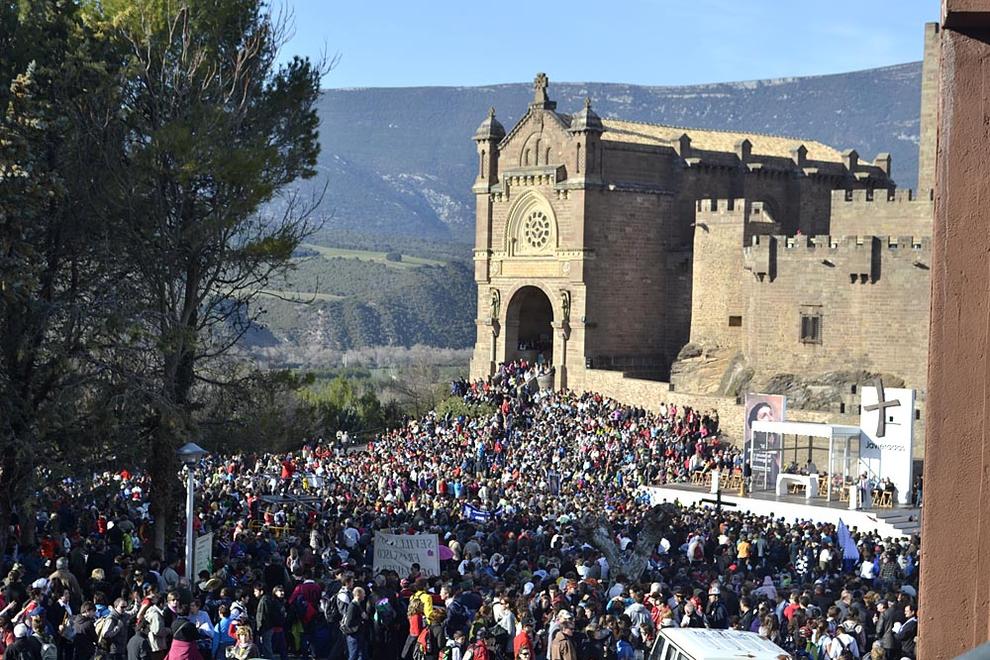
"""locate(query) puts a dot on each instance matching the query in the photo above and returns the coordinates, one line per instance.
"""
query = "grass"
(368, 255)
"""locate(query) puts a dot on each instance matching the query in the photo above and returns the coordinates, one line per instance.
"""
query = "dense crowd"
(294, 533)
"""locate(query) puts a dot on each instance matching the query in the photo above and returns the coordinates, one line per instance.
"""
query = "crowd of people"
(292, 570)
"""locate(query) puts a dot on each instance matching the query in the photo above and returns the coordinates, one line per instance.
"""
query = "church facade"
(685, 256)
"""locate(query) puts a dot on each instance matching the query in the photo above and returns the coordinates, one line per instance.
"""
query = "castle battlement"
(873, 197)
(860, 257)
(826, 242)
(748, 211)
(721, 206)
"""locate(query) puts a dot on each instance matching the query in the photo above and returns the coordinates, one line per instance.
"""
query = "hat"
(61, 563)
(40, 583)
(909, 590)
(528, 588)
(20, 630)
(564, 615)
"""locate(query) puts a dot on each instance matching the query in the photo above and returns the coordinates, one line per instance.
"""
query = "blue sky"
(396, 43)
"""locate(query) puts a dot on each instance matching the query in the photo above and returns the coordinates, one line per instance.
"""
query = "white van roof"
(705, 644)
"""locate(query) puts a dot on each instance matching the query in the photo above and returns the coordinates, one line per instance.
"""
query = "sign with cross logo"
(887, 436)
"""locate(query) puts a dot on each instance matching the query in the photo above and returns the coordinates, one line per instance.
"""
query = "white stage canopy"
(831, 432)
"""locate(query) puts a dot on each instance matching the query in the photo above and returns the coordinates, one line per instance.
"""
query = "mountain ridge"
(400, 160)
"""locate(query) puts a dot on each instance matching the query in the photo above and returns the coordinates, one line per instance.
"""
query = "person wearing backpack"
(113, 639)
(840, 642)
(416, 624)
(483, 649)
(432, 639)
(49, 650)
(354, 626)
(386, 625)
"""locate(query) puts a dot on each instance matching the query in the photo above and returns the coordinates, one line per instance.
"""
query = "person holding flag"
(850, 551)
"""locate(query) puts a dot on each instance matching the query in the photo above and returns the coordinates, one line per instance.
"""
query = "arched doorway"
(529, 326)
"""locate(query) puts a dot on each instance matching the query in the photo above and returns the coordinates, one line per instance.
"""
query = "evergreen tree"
(214, 130)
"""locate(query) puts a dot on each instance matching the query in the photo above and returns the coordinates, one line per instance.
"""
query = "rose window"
(537, 230)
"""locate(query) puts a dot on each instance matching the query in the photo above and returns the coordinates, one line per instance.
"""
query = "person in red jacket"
(523, 639)
(416, 625)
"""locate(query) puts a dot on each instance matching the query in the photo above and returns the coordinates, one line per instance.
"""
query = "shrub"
(457, 407)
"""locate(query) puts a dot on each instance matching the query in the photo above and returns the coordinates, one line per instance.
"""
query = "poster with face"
(766, 457)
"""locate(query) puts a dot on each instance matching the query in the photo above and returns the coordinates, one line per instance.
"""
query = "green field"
(369, 255)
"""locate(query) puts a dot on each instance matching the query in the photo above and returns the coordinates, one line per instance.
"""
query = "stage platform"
(899, 521)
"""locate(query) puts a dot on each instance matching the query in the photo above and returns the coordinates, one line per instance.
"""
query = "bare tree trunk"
(29, 523)
(161, 471)
(631, 564)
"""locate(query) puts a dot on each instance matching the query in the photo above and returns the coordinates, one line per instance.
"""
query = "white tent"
(831, 431)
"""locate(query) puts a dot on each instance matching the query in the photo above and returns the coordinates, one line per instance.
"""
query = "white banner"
(202, 554)
(887, 441)
(398, 552)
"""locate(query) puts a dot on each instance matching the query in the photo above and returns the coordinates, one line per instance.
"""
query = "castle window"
(482, 163)
(577, 167)
(546, 161)
(735, 321)
(811, 327)
(537, 230)
(526, 158)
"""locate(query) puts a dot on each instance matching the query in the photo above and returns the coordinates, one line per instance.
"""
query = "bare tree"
(633, 562)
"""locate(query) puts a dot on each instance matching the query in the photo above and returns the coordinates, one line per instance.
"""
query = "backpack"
(301, 611)
(480, 652)
(808, 652)
(49, 651)
(426, 642)
(335, 610)
(384, 613)
(102, 628)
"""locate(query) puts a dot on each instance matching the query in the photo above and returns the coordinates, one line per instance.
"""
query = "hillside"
(341, 299)
(401, 160)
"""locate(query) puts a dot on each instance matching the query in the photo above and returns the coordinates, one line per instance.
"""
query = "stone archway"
(529, 326)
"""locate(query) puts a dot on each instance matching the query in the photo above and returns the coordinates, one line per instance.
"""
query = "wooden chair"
(823, 486)
(883, 499)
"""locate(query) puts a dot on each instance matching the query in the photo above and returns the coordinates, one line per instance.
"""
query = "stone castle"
(652, 262)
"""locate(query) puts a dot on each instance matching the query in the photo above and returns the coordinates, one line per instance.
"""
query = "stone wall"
(877, 212)
(871, 294)
(650, 394)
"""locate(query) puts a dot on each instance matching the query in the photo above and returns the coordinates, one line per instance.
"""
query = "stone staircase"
(900, 522)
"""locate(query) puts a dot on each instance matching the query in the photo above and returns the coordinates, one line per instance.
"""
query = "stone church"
(632, 255)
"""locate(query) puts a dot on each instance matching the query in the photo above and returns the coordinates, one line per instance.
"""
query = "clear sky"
(408, 43)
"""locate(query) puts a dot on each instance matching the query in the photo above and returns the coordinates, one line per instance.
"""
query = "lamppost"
(189, 454)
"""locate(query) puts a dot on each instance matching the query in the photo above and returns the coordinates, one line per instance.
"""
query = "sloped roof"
(708, 139)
